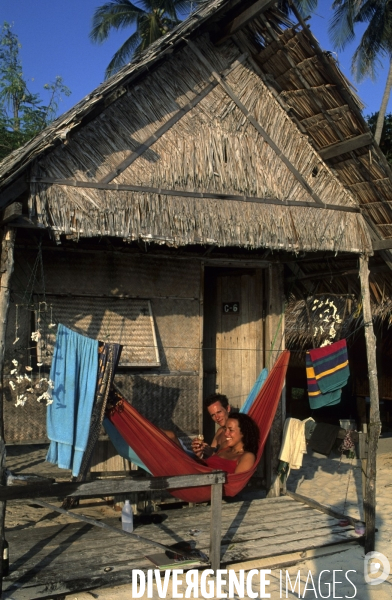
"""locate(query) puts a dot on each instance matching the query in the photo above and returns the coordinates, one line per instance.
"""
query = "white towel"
(294, 443)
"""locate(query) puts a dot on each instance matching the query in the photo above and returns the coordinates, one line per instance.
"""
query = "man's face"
(218, 413)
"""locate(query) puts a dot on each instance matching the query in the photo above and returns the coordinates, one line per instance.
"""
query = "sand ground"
(331, 481)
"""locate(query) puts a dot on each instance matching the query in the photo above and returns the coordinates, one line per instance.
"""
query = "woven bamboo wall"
(168, 397)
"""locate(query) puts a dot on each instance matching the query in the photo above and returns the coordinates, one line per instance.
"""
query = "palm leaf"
(116, 14)
(123, 54)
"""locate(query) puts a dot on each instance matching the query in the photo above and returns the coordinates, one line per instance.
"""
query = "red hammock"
(164, 458)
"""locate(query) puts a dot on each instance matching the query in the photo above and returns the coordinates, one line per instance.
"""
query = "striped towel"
(327, 372)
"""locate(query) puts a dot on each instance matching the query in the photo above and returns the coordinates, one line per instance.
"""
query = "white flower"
(50, 384)
(27, 377)
(30, 389)
(39, 364)
(52, 325)
(15, 340)
(45, 396)
(15, 362)
(12, 385)
(14, 371)
(29, 368)
(21, 400)
(36, 336)
(19, 379)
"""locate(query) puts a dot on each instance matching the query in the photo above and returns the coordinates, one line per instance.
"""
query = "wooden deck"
(46, 562)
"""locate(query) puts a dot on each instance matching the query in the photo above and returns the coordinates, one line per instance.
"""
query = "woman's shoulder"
(246, 461)
(247, 456)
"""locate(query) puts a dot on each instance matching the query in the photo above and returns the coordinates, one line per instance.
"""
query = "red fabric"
(164, 458)
(221, 464)
(326, 351)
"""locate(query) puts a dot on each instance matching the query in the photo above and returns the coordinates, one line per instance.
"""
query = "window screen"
(123, 321)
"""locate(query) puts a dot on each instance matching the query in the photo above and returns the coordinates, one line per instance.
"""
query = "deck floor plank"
(68, 558)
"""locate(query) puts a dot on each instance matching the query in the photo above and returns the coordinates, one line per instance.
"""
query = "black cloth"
(323, 438)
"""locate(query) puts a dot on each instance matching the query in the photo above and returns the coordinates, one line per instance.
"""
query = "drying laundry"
(74, 374)
(293, 444)
(327, 371)
(323, 438)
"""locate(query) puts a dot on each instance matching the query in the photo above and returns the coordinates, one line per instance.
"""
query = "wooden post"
(363, 451)
(274, 345)
(201, 352)
(216, 526)
(374, 427)
(6, 269)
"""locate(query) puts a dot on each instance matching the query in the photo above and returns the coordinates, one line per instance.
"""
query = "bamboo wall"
(168, 394)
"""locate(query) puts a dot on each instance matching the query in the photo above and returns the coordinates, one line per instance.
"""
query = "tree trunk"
(374, 418)
(384, 104)
(6, 269)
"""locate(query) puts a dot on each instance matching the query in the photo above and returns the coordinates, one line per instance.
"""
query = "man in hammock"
(218, 408)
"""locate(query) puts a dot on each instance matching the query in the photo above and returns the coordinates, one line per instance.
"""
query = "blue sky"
(54, 37)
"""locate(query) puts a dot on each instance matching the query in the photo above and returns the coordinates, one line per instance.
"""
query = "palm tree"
(151, 18)
(376, 41)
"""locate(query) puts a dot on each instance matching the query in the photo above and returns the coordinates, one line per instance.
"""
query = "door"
(233, 340)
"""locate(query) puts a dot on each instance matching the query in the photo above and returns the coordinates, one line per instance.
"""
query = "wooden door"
(233, 332)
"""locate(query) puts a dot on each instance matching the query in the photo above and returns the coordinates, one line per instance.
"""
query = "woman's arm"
(246, 462)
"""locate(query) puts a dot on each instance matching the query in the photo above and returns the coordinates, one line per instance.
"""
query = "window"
(118, 320)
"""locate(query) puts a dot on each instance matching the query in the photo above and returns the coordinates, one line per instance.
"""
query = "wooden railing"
(128, 485)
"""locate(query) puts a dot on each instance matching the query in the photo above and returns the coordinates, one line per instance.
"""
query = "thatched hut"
(160, 210)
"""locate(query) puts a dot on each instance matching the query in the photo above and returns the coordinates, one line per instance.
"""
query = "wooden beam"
(215, 526)
(168, 125)
(187, 194)
(155, 136)
(103, 525)
(382, 244)
(374, 428)
(244, 18)
(107, 487)
(354, 143)
(340, 273)
(256, 124)
(6, 270)
(13, 191)
(11, 212)
(325, 509)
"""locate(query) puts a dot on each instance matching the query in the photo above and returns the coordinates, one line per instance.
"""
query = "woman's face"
(233, 433)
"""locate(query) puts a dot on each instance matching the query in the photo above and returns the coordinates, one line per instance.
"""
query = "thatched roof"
(226, 131)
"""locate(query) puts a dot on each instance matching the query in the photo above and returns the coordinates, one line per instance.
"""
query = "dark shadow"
(50, 557)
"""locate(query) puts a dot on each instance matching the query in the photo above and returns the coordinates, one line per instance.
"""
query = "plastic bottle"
(127, 517)
(6, 561)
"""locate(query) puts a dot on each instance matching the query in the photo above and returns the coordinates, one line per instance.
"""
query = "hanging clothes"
(323, 438)
(327, 371)
(74, 374)
(293, 443)
(108, 357)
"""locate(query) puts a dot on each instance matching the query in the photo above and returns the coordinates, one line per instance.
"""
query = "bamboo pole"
(6, 269)
(369, 503)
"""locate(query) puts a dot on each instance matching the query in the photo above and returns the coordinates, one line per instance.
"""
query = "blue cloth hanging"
(74, 373)
(254, 391)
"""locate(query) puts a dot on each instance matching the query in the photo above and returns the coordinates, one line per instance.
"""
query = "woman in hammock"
(242, 441)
